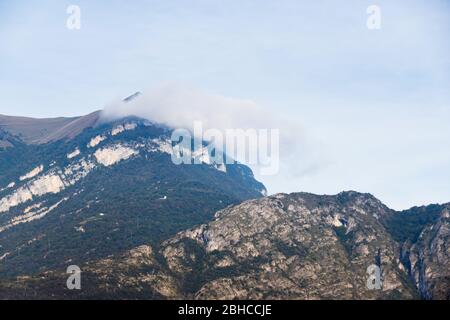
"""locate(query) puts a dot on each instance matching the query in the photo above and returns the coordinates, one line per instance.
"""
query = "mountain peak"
(132, 97)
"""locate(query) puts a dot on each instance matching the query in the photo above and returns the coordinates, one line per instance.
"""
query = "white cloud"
(179, 106)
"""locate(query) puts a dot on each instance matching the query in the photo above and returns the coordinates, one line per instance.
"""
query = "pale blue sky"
(375, 105)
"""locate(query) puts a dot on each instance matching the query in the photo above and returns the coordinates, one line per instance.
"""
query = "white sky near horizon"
(372, 107)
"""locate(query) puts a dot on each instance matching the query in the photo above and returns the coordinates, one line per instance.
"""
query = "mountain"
(106, 196)
(80, 189)
(285, 246)
(41, 131)
(424, 233)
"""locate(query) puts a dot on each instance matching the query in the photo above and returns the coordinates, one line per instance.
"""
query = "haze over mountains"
(107, 197)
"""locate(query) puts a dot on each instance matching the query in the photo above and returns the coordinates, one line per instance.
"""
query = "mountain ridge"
(80, 187)
(106, 196)
(44, 130)
(284, 246)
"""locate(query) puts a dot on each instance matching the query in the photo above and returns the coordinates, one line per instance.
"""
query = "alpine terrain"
(78, 189)
(105, 196)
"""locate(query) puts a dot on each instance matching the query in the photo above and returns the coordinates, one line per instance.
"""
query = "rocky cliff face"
(103, 190)
(296, 246)
(429, 259)
(107, 197)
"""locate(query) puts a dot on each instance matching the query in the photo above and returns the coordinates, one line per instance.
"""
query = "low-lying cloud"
(180, 106)
(177, 105)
